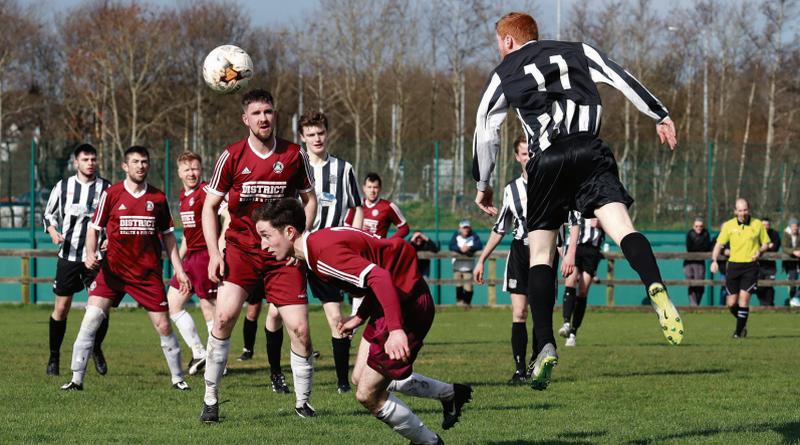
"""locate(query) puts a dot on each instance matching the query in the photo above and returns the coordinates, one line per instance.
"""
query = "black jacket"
(697, 243)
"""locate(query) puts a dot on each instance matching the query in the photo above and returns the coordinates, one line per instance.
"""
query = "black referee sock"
(341, 359)
(542, 298)
(639, 253)
(57, 331)
(741, 319)
(734, 310)
(274, 345)
(569, 303)
(100, 335)
(580, 310)
(249, 329)
(519, 345)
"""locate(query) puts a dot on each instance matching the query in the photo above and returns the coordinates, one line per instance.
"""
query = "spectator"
(464, 242)
(791, 247)
(422, 243)
(767, 269)
(697, 240)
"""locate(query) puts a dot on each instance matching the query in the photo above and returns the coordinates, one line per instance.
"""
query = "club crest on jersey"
(149, 206)
(332, 178)
(375, 212)
(93, 286)
(246, 171)
(191, 202)
(277, 167)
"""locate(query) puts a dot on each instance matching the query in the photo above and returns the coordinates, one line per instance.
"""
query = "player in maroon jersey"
(257, 169)
(194, 254)
(379, 213)
(397, 303)
(136, 218)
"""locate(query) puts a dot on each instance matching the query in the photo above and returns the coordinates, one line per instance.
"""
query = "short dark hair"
(84, 148)
(312, 119)
(281, 213)
(519, 141)
(766, 218)
(373, 177)
(257, 95)
(138, 149)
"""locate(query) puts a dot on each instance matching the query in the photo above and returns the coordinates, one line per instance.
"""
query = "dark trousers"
(695, 271)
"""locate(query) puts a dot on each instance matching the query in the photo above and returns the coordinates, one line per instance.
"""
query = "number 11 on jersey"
(563, 70)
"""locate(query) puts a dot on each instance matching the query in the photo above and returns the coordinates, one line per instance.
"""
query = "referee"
(72, 202)
(551, 87)
(748, 240)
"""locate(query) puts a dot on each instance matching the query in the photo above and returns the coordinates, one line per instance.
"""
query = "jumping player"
(398, 306)
(72, 202)
(551, 85)
(255, 170)
(136, 217)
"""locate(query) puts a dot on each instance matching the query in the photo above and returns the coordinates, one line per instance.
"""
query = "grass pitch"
(622, 384)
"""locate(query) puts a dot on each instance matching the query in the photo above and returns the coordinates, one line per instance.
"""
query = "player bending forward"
(136, 218)
(397, 303)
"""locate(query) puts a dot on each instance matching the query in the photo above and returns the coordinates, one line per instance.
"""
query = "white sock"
(418, 385)
(356, 304)
(185, 324)
(210, 326)
(303, 376)
(216, 359)
(84, 342)
(172, 352)
(403, 421)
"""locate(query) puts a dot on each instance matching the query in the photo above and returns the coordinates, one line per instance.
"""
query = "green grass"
(622, 385)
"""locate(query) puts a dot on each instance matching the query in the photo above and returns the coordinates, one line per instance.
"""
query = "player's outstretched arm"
(216, 265)
(309, 207)
(171, 244)
(491, 244)
(492, 111)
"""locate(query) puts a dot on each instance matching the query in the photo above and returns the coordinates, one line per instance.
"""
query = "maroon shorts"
(417, 320)
(195, 264)
(147, 291)
(257, 274)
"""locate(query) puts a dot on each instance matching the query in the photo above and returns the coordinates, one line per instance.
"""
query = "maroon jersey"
(379, 216)
(344, 256)
(251, 179)
(192, 217)
(134, 224)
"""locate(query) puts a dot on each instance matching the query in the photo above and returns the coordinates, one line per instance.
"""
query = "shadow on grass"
(564, 438)
(790, 432)
(470, 408)
(676, 372)
(452, 343)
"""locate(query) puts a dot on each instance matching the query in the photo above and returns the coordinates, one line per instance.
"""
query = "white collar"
(136, 195)
(267, 154)
(368, 205)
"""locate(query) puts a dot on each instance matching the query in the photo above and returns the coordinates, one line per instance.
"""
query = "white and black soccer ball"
(227, 69)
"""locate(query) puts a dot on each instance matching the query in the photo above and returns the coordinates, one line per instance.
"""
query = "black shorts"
(741, 277)
(71, 277)
(324, 292)
(577, 172)
(587, 257)
(515, 279)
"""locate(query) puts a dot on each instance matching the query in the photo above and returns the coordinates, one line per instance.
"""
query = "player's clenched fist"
(397, 345)
(348, 324)
(216, 268)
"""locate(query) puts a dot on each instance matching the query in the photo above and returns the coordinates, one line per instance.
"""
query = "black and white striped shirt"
(512, 215)
(337, 190)
(550, 85)
(71, 205)
(589, 235)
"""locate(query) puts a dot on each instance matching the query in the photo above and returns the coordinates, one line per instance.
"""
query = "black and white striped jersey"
(71, 206)
(551, 87)
(337, 191)
(590, 235)
(512, 215)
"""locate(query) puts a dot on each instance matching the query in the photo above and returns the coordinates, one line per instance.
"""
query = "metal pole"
(710, 197)
(168, 265)
(33, 216)
(438, 263)
(558, 19)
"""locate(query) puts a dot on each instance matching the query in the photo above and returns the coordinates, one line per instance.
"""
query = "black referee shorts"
(577, 172)
(517, 266)
(587, 257)
(324, 292)
(741, 277)
(71, 277)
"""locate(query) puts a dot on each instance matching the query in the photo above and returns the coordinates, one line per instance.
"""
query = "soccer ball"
(227, 69)
(794, 302)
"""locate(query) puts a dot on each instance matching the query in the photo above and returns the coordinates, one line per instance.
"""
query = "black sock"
(542, 298)
(639, 254)
(741, 319)
(569, 303)
(534, 343)
(274, 345)
(57, 330)
(101, 334)
(580, 310)
(468, 296)
(519, 345)
(734, 309)
(459, 294)
(341, 359)
(249, 329)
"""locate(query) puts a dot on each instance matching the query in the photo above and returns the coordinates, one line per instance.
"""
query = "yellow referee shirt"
(745, 239)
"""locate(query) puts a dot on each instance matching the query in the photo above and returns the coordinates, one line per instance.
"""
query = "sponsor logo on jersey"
(137, 225)
(326, 199)
(187, 218)
(277, 167)
(246, 171)
(122, 207)
(370, 225)
(262, 191)
(149, 206)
